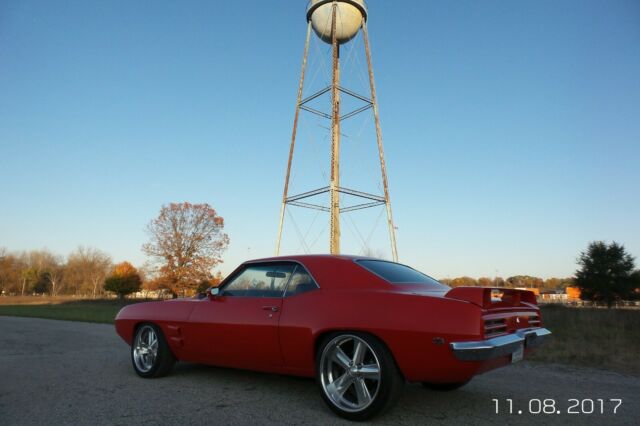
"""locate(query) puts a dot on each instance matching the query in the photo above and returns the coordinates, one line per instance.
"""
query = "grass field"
(37, 300)
(101, 311)
(603, 338)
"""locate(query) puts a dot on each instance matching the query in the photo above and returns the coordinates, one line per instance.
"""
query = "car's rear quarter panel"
(417, 329)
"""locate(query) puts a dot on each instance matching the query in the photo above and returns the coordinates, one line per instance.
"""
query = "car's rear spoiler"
(489, 298)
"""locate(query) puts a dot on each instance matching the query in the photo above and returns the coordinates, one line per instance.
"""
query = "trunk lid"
(504, 310)
(494, 298)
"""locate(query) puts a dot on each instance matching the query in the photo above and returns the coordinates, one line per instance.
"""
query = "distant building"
(567, 295)
(573, 293)
(554, 296)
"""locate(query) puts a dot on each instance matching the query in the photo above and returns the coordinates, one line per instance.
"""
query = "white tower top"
(349, 18)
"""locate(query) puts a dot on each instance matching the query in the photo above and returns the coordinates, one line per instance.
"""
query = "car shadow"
(303, 393)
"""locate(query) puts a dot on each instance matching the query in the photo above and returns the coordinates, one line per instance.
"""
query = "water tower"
(336, 22)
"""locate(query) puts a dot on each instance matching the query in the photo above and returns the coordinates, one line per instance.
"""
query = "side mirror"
(213, 292)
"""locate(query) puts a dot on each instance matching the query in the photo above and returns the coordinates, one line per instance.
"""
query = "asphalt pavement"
(59, 373)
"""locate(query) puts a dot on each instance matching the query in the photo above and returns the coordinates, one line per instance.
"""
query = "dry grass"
(603, 338)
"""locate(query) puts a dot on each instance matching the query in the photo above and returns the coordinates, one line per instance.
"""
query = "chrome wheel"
(350, 373)
(145, 348)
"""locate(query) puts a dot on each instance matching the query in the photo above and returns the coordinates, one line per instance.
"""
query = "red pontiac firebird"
(361, 326)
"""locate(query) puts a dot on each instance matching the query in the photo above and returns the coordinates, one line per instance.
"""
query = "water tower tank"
(348, 18)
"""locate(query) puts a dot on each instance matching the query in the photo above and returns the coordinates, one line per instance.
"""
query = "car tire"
(357, 375)
(444, 387)
(150, 353)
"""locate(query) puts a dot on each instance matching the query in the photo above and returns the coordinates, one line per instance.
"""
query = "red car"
(361, 326)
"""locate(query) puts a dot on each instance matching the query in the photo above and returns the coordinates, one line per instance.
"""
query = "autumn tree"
(463, 282)
(186, 242)
(485, 282)
(524, 281)
(606, 273)
(212, 282)
(558, 283)
(9, 272)
(123, 280)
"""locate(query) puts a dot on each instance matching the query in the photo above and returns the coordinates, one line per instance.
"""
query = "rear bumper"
(499, 346)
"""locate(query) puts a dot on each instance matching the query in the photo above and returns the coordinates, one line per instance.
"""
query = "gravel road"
(59, 372)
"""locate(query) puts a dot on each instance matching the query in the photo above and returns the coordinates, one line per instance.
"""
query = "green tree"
(635, 277)
(41, 286)
(124, 280)
(606, 273)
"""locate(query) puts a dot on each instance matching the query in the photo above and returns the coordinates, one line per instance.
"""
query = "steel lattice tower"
(336, 22)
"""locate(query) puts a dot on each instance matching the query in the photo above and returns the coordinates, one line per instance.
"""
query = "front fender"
(164, 314)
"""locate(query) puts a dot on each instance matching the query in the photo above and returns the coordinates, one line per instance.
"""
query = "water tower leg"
(293, 138)
(334, 243)
(383, 167)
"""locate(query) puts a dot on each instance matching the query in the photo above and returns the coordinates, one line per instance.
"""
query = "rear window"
(396, 273)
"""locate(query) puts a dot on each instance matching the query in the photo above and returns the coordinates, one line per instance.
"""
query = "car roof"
(302, 257)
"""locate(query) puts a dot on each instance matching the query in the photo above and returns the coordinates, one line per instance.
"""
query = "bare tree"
(375, 253)
(55, 278)
(187, 242)
(86, 270)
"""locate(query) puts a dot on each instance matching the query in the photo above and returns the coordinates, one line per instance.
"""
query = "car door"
(239, 327)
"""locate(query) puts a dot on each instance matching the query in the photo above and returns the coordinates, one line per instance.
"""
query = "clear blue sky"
(512, 129)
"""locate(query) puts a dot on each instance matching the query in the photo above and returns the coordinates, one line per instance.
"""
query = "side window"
(301, 282)
(267, 280)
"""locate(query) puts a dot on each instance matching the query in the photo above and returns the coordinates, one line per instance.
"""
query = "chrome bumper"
(499, 346)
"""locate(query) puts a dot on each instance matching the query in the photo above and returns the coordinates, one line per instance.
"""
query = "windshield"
(396, 273)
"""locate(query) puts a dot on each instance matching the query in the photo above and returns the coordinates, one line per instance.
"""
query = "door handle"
(271, 308)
